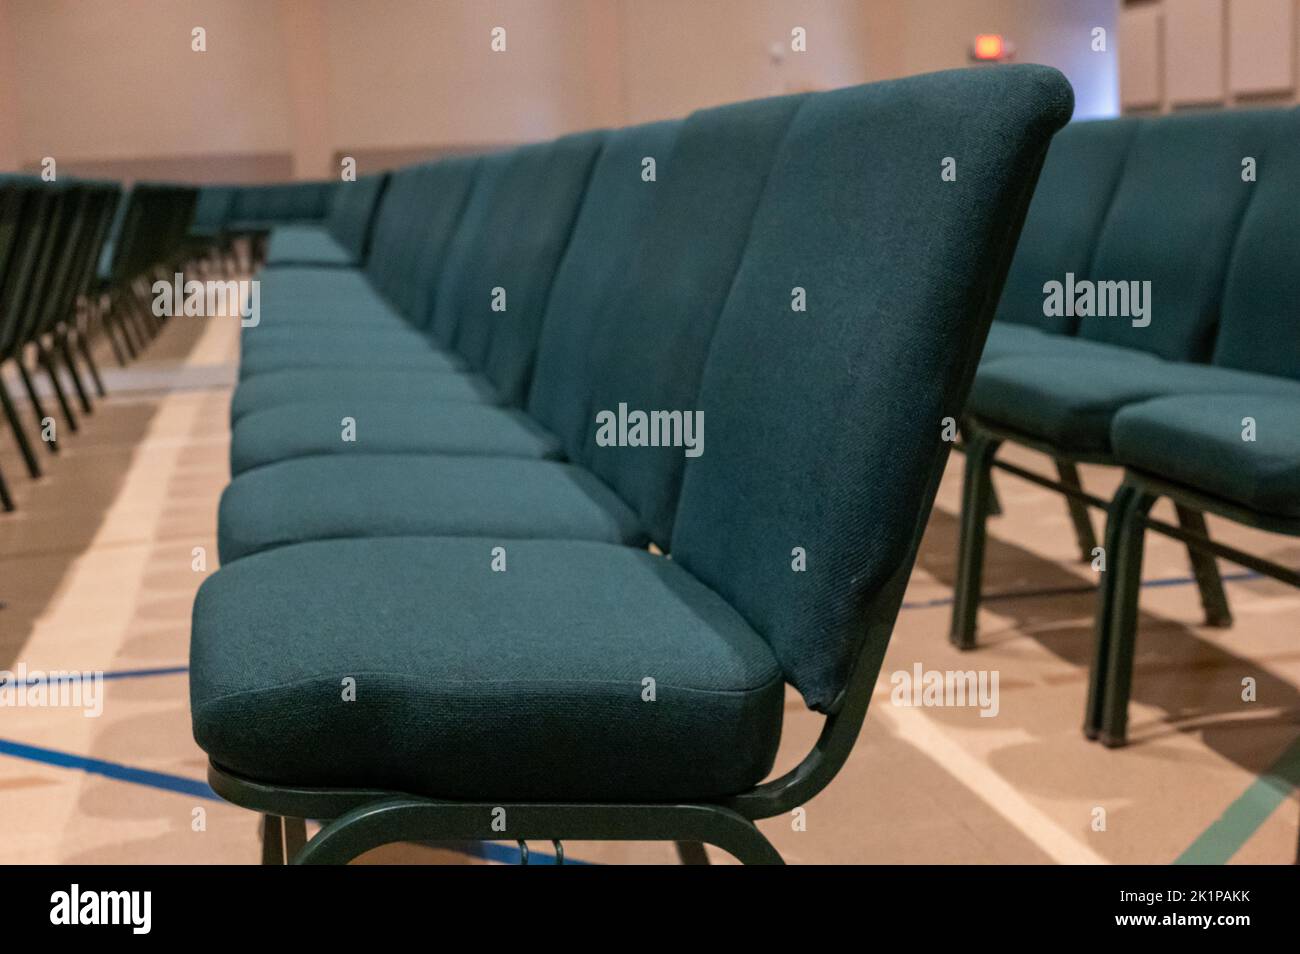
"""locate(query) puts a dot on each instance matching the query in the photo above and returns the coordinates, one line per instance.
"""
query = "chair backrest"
(396, 219)
(1172, 223)
(1065, 216)
(352, 212)
(649, 355)
(587, 292)
(825, 425)
(1260, 329)
(212, 210)
(492, 293)
(21, 288)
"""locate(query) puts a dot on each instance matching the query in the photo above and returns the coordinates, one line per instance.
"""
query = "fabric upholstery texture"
(473, 684)
(386, 426)
(1197, 440)
(675, 293)
(318, 498)
(900, 314)
(1070, 402)
(1258, 331)
(306, 245)
(311, 385)
(1172, 222)
(1079, 178)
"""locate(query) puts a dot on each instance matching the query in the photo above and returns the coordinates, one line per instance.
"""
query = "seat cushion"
(1009, 340)
(343, 337)
(1070, 402)
(1197, 440)
(326, 384)
(306, 245)
(481, 685)
(380, 495)
(354, 351)
(314, 428)
(333, 314)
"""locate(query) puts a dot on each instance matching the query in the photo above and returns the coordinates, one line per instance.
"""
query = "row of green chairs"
(66, 248)
(306, 223)
(1184, 369)
(439, 614)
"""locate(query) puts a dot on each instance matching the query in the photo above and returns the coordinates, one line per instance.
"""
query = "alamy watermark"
(56, 689)
(1087, 299)
(934, 688)
(624, 428)
(208, 299)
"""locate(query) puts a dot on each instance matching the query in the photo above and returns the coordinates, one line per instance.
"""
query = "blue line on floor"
(118, 674)
(113, 770)
(138, 673)
(1081, 588)
(489, 851)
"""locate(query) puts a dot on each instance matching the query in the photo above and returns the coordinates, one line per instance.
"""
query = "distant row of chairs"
(75, 259)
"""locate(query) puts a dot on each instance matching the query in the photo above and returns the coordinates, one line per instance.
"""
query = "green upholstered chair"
(342, 239)
(518, 704)
(1171, 222)
(1234, 453)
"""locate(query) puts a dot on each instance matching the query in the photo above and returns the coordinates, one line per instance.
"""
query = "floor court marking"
(923, 733)
(1240, 820)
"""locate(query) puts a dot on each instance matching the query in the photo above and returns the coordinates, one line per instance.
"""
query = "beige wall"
(1194, 54)
(118, 79)
(10, 148)
(112, 86)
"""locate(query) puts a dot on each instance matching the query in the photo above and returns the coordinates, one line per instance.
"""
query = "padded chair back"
(212, 210)
(352, 212)
(252, 203)
(1173, 221)
(652, 357)
(512, 237)
(825, 425)
(422, 200)
(1065, 217)
(1260, 330)
(589, 290)
(395, 223)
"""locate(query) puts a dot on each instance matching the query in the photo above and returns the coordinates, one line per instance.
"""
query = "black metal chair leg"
(272, 840)
(692, 853)
(100, 315)
(976, 487)
(295, 837)
(38, 409)
(83, 396)
(84, 348)
(1104, 610)
(20, 437)
(6, 501)
(1206, 570)
(118, 320)
(1126, 564)
(52, 372)
(1079, 516)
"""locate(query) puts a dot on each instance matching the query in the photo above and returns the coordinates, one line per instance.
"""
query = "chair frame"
(1127, 521)
(980, 444)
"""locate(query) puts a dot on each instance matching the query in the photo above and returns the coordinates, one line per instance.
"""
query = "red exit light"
(990, 47)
